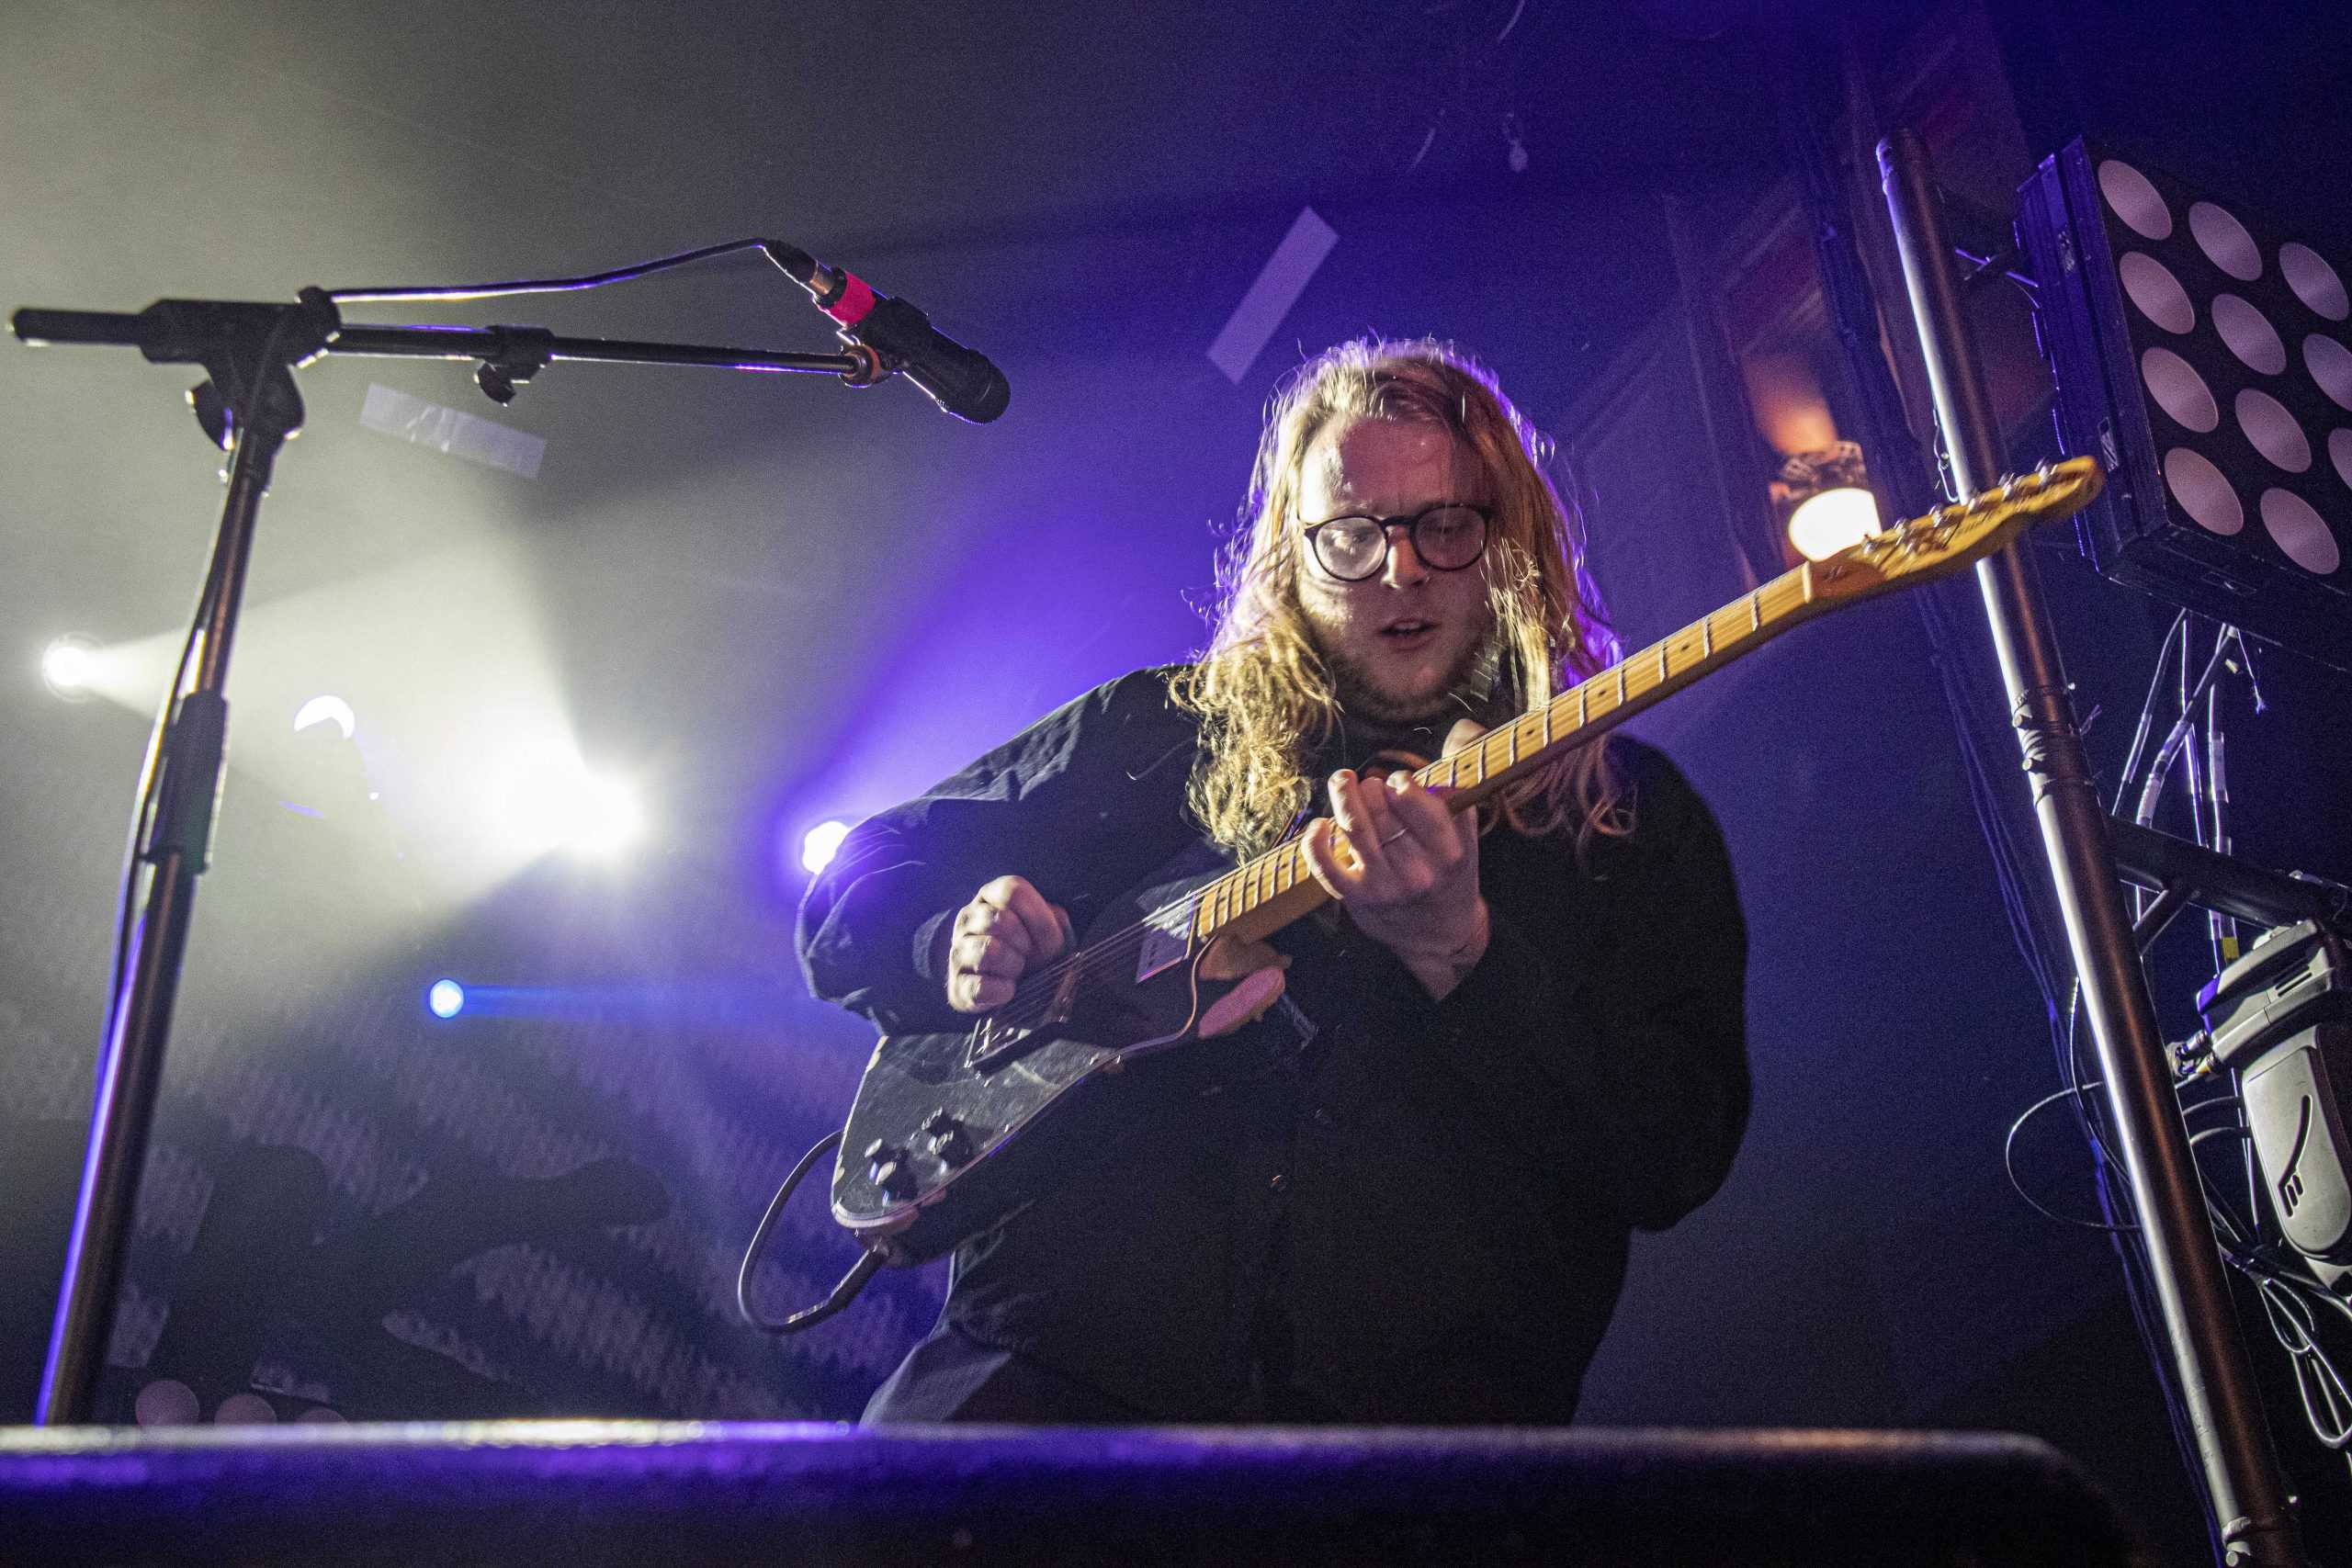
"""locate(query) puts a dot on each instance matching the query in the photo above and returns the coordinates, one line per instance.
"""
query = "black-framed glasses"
(1447, 537)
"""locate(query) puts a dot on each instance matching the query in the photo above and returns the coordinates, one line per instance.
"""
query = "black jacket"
(1411, 1210)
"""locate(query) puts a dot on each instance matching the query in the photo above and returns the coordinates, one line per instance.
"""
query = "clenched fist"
(1007, 930)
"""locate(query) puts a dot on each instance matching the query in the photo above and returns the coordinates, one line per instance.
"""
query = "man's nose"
(1406, 568)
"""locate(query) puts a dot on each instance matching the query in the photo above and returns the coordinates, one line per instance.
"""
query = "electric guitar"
(949, 1133)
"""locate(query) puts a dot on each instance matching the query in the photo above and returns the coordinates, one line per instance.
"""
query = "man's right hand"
(1005, 930)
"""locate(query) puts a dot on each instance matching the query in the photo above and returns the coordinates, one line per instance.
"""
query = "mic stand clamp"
(516, 355)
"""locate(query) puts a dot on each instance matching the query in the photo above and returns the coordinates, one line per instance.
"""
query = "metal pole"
(2244, 1490)
(132, 1067)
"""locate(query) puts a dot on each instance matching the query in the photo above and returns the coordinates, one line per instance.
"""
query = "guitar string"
(1034, 996)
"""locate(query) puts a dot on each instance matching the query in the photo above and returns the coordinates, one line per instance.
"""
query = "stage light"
(2200, 351)
(1824, 496)
(326, 710)
(445, 999)
(67, 666)
(820, 843)
(599, 816)
(1825, 524)
(545, 798)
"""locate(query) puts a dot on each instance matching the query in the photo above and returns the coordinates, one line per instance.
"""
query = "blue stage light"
(446, 999)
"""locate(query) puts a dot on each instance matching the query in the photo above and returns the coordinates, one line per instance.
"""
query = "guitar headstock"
(1951, 537)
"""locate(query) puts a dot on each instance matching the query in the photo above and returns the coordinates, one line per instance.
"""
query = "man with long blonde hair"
(1396, 1178)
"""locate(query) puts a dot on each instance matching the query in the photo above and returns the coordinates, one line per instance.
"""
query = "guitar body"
(940, 1144)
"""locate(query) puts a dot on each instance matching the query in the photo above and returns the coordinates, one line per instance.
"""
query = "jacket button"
(1278, 1181)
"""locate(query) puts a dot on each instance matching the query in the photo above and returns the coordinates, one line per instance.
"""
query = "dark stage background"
(769, 602)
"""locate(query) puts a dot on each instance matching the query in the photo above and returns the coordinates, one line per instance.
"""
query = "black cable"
(787, 257)
(2178, 629)
(868, 1261)
(2009, 1163)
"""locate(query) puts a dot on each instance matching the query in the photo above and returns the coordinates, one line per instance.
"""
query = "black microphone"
(960, 380)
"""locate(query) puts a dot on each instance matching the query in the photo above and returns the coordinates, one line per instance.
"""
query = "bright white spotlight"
(820, 843)
(546, 800)
(606, 817)
(326, 710)
(1825, 524)
(446, 999)
(67, 667)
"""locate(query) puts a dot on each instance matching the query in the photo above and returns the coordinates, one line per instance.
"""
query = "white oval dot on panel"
(2202, 492)
(2300, 531)
(2249, 335)
(168, 1402)
(2330, 364)
(2178, 389)
(2339, 452)
(2224, 240)
(2314, 280)
(2134, 199)
(244, 1410)
(2157, 291)
(2273, 431)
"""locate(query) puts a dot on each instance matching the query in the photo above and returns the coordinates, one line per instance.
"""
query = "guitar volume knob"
(949, 1139)
(887, 1166)
(895, 1179)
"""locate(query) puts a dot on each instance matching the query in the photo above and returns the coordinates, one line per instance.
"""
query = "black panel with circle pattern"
(2203, 350)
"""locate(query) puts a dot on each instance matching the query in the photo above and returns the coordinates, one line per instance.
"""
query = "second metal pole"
(2243, 1487)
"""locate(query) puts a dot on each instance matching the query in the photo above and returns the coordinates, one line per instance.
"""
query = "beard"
(1468, 689)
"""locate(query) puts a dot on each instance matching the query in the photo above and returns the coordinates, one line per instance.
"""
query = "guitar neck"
(1269, 892)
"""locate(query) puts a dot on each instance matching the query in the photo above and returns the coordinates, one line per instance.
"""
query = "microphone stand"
(248, 407)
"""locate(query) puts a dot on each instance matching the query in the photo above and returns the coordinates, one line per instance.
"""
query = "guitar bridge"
(993, 1044)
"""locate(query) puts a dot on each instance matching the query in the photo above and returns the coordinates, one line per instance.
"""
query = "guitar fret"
(1662, 648)
(1756, 611)
(1707, 637)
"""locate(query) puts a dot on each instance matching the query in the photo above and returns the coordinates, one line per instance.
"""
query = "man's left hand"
(1408, 872)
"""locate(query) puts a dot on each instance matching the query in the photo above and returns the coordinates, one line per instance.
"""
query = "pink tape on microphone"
(856, 302)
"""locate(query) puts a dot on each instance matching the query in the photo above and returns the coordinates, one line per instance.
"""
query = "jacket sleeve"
(1630, 1066)
(1034, 806)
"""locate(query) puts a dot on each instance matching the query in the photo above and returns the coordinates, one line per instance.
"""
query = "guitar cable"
(868, 1262)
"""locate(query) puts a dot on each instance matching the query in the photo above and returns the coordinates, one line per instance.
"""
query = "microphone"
(960, 380)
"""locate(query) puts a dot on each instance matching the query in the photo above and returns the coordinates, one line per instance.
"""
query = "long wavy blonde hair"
(1265, 693)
